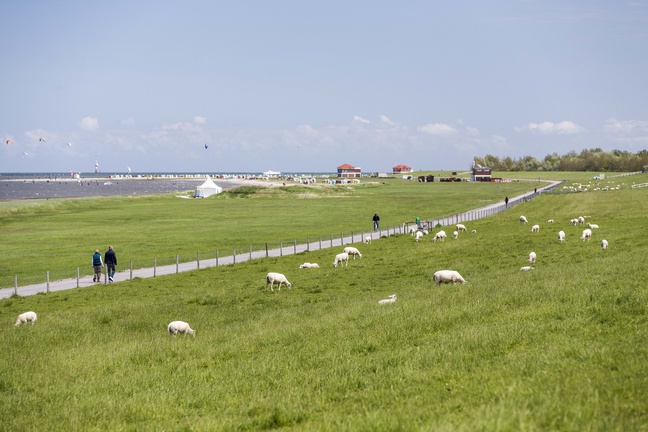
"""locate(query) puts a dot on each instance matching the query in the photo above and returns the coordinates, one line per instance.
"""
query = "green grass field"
(562, 347)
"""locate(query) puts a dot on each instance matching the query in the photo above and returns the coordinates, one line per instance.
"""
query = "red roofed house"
(349, 171)
(401, 169)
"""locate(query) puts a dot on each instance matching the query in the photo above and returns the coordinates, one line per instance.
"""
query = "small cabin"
(401, 168)
(480, 173)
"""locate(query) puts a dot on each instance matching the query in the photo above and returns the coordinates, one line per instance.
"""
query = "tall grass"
(562, 347)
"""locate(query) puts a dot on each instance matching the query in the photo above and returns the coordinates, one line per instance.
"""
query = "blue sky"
(307, 86)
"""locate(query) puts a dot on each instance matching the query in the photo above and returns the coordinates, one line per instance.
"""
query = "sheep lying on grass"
(391, 299)
(352, 251)
(592, 226)
(272, 278)
(26, 317)
(341, 258)
(309, 265)
(447, 276)
(526, 268)
(182, 327)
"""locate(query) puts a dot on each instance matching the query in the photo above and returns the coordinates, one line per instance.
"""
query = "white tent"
(208, 188)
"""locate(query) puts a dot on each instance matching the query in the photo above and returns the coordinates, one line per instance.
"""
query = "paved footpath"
(125, 275)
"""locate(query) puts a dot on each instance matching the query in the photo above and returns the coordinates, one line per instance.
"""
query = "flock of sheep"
(579, 221)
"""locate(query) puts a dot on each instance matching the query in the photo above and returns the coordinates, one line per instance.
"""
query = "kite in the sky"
(24, 154)
(206, 146)
(41, 139)
(128, 168)
(69, 144)
(9, 142)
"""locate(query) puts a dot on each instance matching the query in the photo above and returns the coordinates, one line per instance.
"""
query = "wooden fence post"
(177, 264)
(131, 269)
(77, 274)
(234, 257)
(154, 267)
(198, 260)
(280, 248)
(47, 276)
(295, 248)
(15, 284)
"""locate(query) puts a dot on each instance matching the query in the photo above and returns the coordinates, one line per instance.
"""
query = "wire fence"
(158, 266)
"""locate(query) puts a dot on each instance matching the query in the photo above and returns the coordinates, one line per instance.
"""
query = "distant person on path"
(376, 221)
(506, 201)
(111, 262)
(97, 263)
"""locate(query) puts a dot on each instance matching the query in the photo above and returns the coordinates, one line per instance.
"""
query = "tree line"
(587, 160)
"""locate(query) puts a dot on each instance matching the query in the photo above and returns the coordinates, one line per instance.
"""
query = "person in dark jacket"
(376, 221)
(97, 264)
(111, 262)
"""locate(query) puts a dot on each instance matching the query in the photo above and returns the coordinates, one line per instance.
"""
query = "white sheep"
(526, 268)
(272, 278)
(532, 257)
(309, 265)
(182, 327)
(455, 235)
(419, 235)
(441, 235)
(341, 258)
(447, 276)
(573, 222)
(535, 228)
(561, 236)
(604, 244)
(581, 220)
(391, 299)
(412, 229)
(26, 317)
(550, 221)
(474, 231)
(592, 226)
(461, 227)
(352, 251)
(367, 240)
(523, 220)
(587, 235)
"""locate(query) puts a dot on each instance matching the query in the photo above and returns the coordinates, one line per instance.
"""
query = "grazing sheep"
(391, 299)
(532, 257)
(461, 227)
(587, 234)
(535, 228)
(573, 222)
(412, 230)
(474, 231)
(176, 327)
(309, 265)
(604, 244)
(455, 235)
(341, 258)
(367, 240)
(419, 235)
(550, 221)
(581, 220)
(526, 268)
(441, 235)
(523, 220)
(561, 236)
(272, 278)
(26, 317)
(352, 251)
(592, 226)
(447, 276)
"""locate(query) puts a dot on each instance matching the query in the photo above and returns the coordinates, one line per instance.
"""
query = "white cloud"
(89, 124)
(200, 120)
(437, 129)
(626, 126)
(359, 119)
(386, 120)
(547, 127)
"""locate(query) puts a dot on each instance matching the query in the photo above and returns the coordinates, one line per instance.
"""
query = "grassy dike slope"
(563, 347)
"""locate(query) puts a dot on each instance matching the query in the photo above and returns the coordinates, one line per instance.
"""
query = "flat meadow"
(561, 347)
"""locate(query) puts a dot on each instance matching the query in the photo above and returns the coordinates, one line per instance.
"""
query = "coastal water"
(19, 186)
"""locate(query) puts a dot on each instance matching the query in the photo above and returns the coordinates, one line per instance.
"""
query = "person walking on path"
(111, 262)
(376, 221)
(506, 201)
(97, 264)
